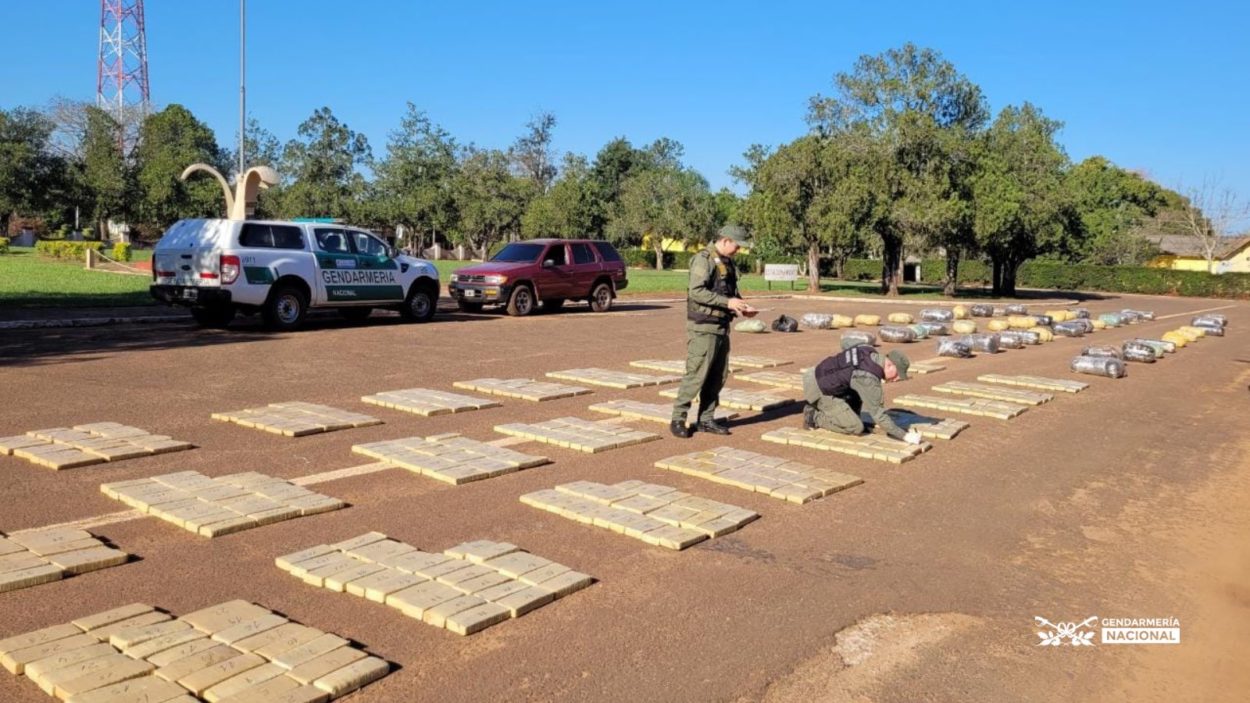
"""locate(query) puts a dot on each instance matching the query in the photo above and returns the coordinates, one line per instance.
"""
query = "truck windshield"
(517, 253)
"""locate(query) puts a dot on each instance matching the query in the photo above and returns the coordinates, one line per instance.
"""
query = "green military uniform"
(713, 281)
(842, 413)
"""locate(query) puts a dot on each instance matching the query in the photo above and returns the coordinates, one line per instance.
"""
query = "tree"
(1209, 215)
(813, 193)
(1020, 206)
(29, 172)
(489, 200)
(322, 168)
(1111, 204)
(414, 181)
(169, 141)
(106, 178)
(532, 154)
(905, 102)
(665, 201)
(570, 209)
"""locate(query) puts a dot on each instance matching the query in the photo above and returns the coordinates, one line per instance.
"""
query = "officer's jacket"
(713, 281)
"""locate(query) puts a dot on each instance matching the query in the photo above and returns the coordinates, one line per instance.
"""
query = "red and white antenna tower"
(122, 70)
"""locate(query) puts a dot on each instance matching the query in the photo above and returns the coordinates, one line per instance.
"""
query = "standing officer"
(712, 300)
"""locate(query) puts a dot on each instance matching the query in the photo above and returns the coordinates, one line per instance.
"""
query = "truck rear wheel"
(601, 297)
(285, 308)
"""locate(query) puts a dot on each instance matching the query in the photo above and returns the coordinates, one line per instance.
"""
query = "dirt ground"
(1127, 500)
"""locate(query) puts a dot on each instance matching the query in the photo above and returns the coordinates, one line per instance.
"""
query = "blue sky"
(1158, 87)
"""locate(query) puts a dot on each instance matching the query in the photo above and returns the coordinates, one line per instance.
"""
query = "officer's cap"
(736, 233)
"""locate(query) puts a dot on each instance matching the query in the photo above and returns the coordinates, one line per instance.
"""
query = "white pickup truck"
(282, 269)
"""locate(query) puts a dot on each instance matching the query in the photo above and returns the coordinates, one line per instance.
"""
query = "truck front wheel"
(420, 304)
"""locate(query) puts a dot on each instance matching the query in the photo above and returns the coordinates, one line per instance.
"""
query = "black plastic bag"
(785, 323)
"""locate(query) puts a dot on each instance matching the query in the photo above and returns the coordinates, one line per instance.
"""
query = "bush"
(1132, 279)
(861, 270)
(4, 245)
(971, 271)
(88, 233)
(121, 251)
(70, 251)
(645, 258)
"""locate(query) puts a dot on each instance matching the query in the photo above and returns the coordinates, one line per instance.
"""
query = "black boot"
(713, 427)
(679, 429)
(809, 417)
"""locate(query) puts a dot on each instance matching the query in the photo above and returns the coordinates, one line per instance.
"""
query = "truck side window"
(333, 241)
(582, 254)
(256, 235)
(555, 253)
(367, 245)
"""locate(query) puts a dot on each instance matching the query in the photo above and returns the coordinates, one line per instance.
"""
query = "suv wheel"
(285, 308)
(522, 301)
(601, 297)
(420, 305)
(218, 316)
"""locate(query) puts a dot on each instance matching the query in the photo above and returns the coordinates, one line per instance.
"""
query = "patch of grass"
(29, 280)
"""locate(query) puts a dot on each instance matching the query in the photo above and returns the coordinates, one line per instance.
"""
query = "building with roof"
(1184, 253)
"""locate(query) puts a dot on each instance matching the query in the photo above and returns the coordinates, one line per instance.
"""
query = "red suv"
(549, 271)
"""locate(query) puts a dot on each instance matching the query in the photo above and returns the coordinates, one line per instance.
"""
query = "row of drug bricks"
(463, 589)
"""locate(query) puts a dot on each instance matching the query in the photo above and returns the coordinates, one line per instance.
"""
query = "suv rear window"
(271, 236)
(516, 253)
(582, 253)
(607, 251)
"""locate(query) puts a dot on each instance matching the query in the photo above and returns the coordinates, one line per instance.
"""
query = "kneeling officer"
(842, 385)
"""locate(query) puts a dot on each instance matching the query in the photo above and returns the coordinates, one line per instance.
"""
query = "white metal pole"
(242, 86)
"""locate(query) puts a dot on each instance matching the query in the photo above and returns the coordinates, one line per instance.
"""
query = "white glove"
(912, 437)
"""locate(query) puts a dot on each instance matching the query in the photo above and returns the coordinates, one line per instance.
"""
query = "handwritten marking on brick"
(35, 557)
(773, 476)
(658, 515)
(297, 419)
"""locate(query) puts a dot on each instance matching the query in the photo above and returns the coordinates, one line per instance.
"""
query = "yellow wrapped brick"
(964, 327)
(1044, 334)
(961, 312)
(1176, 338)
(841, 321)
(900, 318)
(1193, 333)
(997, 325)
(868, 320)
(1061, 315)
(1098, 324)
(1021, 322)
